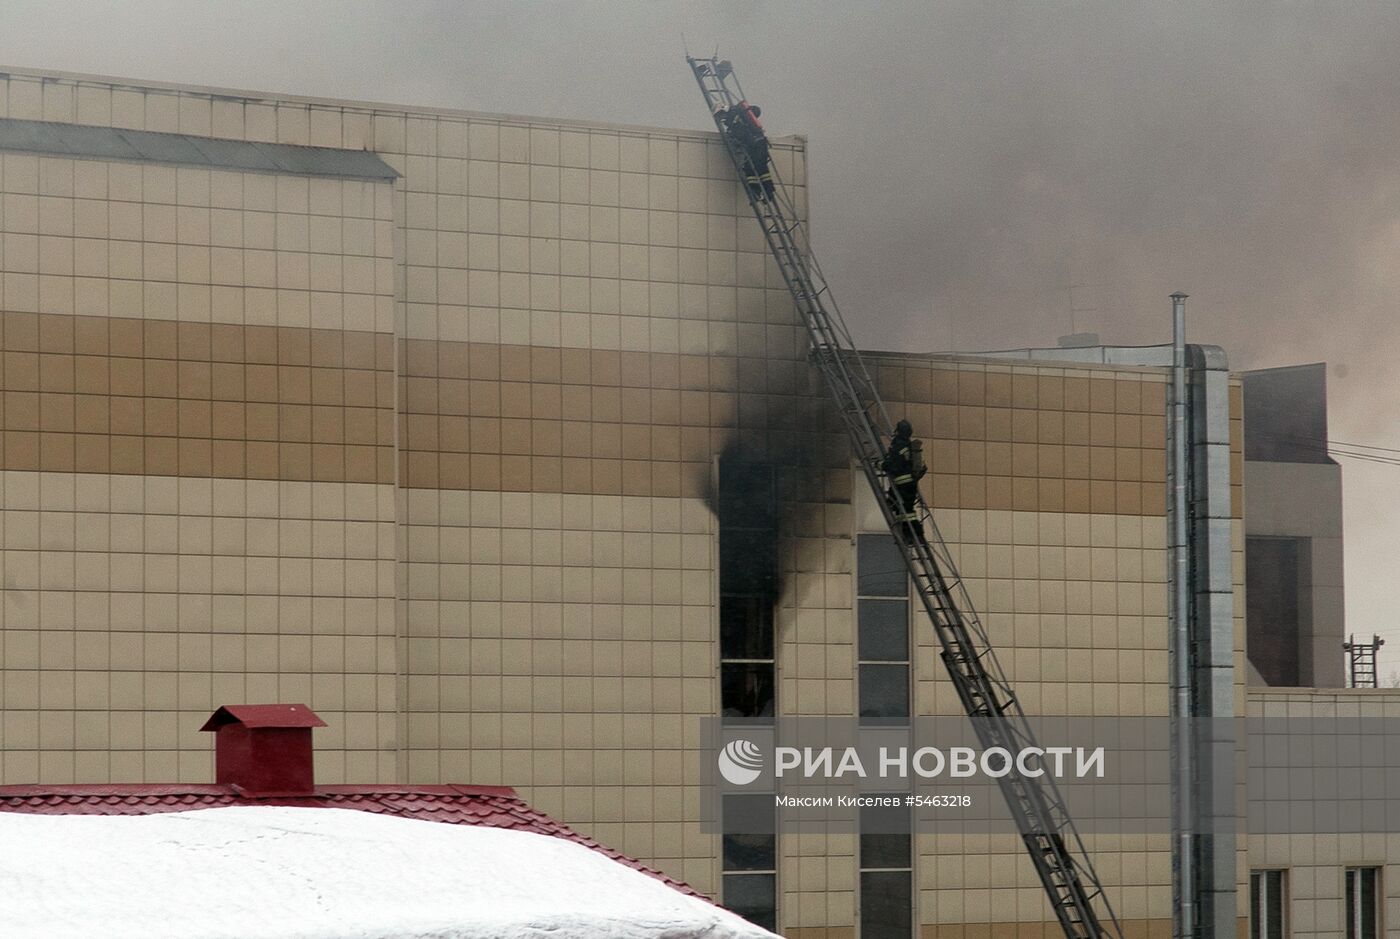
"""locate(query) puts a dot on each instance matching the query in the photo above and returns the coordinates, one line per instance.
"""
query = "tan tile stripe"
(1065, 445)
(485, 416)
(131, 396)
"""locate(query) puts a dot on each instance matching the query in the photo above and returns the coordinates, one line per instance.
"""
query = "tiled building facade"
(436, 451)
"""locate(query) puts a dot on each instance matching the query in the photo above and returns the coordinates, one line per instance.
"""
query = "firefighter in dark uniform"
(904, 472)
(742, 123)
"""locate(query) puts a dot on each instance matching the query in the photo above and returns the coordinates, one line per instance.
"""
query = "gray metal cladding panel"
(167, 148)
(112, 143)
(78, 139)
(239, 153)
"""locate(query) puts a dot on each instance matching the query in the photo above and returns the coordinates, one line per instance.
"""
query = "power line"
(1303, 440)
(1341, 448)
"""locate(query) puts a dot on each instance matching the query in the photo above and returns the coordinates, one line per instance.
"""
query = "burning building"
(493, 439)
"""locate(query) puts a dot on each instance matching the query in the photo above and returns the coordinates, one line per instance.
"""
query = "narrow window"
(1267, 905)
(886, 870)
(882, 632)
(748, 592)
(749, 858)
(1362, 912)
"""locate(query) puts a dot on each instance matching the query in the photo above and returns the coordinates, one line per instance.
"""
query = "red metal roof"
(492, 806)
(263, 715)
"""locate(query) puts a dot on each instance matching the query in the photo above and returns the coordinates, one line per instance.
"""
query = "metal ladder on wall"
(1056, 850)
(1361, 661)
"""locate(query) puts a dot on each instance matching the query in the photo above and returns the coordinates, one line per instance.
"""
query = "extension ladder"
(1056, 850)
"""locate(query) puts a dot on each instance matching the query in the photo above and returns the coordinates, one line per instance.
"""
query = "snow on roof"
(494, 806)
(277, 872)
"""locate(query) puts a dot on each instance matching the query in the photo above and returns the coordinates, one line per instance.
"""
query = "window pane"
(746, 692)
(747, 562)
(884, 836)
(745, 495)
(1362, 888)
(880, 570)
(878, 851)
(752, 896)
(884, 630)
(1351, 904)
(1368, 903)
(886, 905)
(1256, 923)
(1273, 914)
(884, 694)
(746, 627)
(749, 852)
(749, 841)
(1266, 907)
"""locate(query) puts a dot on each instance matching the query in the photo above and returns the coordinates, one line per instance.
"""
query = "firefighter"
(904, 466)
(743, 124)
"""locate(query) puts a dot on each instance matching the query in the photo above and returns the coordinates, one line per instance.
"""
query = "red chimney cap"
(263, 715)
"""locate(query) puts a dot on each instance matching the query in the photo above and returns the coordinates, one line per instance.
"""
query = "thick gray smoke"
(985, 175)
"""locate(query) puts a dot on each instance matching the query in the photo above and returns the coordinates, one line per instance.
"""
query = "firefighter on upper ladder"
(741, 122)
(904, 465)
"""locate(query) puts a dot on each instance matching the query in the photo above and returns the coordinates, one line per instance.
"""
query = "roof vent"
(264, 749)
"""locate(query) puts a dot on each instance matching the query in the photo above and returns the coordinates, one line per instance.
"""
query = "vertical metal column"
(1202, 633)
(1213, 629)
(1178, 624)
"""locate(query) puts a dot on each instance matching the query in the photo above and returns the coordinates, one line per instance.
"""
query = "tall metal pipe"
(1178, 619)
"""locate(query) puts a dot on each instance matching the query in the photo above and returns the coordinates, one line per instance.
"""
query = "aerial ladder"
(1057, 852)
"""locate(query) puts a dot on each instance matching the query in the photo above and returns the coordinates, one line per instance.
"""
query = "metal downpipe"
(1178, 621)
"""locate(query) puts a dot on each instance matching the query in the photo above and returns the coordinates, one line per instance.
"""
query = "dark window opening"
(750, 823)
(880, 570)
(748, 591)
(886, 904)
(884, 630)
(885, 837)
(886, 869)
(747, 562)
(745, 628)
(754, 897)
(1266, 905)
(1362, 911)
(746, 495)
(746, 692)
(884, 695)
(749, 858)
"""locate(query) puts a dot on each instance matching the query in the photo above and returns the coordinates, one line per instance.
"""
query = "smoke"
(780, 466)
(983, 175)
(970, 162)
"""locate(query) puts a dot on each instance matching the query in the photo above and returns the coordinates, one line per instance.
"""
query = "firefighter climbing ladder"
(1056, 850)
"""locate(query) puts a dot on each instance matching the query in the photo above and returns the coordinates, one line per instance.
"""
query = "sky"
(983, 174)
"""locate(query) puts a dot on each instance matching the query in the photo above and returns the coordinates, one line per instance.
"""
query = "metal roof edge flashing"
(93, 142)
